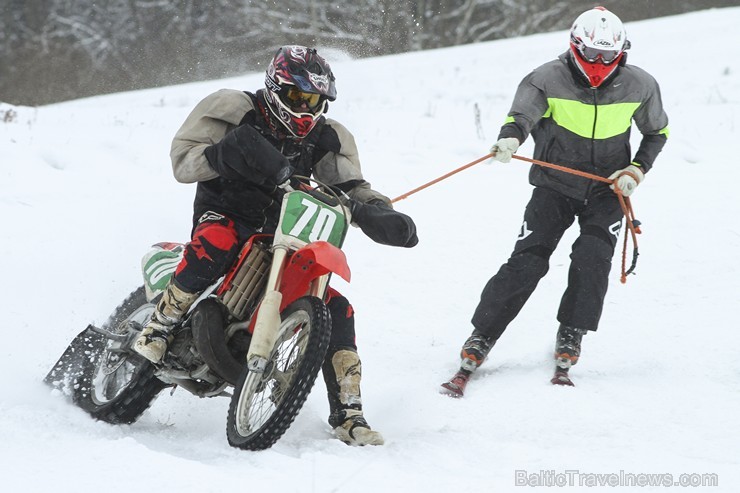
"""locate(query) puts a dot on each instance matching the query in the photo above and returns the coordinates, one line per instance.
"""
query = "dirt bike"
(262, 330)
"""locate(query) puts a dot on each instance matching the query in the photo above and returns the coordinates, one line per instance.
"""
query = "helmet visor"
(298, 100)
(593, 54)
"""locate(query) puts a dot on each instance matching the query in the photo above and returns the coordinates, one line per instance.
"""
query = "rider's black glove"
(245, 155)
(284, 175)
(384, 225)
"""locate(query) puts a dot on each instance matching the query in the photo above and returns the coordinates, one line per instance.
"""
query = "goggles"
(295, 98)
(593, 54)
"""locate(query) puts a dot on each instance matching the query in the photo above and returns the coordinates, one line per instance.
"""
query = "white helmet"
(598, 41)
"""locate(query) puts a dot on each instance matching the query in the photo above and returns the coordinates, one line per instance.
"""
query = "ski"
(561, 377)
(455, 387)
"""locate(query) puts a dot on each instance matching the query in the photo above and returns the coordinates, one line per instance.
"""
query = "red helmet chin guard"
(596, 72)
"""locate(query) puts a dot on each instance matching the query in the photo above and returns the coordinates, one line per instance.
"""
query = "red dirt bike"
(262, 329)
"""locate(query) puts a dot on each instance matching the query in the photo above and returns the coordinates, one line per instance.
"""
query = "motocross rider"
(240, 147)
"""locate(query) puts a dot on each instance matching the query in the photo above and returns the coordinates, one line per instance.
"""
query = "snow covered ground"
(86, 187)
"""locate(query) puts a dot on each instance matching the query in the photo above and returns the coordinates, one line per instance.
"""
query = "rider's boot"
(156, 335)
(342, 373)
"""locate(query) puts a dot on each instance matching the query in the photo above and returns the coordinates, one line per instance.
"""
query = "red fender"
(308, 263)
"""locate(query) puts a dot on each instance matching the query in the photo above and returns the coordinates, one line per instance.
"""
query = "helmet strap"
(623, 60)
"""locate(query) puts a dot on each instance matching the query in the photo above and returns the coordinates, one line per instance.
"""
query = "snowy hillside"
(86, 187)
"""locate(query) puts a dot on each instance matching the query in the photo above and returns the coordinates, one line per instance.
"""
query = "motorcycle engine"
(181, 351)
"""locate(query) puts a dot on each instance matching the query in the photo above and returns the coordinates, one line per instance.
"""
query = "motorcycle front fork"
(268, 315)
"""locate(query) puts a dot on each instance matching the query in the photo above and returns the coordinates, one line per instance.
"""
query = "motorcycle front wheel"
(265, 404)
(115, 384)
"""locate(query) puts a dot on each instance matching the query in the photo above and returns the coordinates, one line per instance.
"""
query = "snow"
(86, 187)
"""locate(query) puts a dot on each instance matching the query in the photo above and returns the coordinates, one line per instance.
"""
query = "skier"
(242, 148)
(579, 109)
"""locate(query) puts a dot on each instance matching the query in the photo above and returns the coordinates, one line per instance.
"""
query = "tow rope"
(633, 225)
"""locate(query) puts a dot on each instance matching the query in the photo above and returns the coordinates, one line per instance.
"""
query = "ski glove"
(627, 179)
(504, 149)
(384, 225)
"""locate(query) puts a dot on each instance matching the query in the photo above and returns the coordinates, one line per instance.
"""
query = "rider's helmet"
(299, 83)
(598, 41)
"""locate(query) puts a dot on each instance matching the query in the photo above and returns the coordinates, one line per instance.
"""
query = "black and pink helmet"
(299, 83)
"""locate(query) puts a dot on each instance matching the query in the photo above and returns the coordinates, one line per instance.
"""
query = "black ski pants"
(546, 218)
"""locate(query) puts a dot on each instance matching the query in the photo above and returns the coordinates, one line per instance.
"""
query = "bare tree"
(62, 49)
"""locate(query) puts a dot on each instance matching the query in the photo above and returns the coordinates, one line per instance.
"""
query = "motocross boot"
(474, 352)
(156, 335)
(342, 374)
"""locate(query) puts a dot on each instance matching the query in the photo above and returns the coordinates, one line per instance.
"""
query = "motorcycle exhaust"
(210, 340)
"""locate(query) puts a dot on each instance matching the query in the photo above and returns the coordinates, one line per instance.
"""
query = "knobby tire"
(306, 368)
(135, 395)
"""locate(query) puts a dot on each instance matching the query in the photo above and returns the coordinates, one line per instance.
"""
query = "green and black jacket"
(586, 128)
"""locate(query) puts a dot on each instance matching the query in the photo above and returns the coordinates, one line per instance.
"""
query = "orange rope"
(461, 168)
(590, 176)
(633, 225)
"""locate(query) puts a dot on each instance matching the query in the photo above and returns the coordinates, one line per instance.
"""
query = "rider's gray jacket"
(228, 148)
(586, 128)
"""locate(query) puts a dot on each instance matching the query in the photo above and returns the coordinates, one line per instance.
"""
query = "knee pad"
(531, 263)
(209, 254)
(540, 251)
(605, 236)
(593, 247)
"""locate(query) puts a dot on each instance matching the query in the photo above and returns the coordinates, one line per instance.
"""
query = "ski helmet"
(299, 83)
(598, 41)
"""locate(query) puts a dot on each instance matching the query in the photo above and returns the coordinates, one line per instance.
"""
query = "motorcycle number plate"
(308, 220)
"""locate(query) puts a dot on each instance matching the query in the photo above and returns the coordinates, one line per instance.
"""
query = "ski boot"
(474, 352)
(567, 352)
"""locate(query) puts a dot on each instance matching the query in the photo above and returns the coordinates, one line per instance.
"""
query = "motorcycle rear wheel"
(115, 384)
(264, 405)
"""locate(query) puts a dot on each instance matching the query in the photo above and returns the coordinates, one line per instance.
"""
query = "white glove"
(504, 148)
(627, 182)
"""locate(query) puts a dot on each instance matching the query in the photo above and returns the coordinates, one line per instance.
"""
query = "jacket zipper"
(593, 141)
